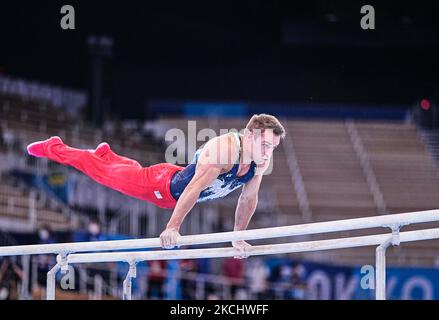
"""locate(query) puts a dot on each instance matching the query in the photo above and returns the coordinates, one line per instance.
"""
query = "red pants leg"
(151, 183)
(104, 151)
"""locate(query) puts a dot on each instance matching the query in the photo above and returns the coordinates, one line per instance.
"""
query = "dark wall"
(231, 50)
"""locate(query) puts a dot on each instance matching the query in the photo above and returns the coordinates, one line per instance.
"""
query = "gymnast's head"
(262, 135)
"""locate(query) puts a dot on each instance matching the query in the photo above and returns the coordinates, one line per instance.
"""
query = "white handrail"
(390, 220)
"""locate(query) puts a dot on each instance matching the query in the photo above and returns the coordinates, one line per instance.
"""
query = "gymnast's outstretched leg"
(102, 165)
(104, 151)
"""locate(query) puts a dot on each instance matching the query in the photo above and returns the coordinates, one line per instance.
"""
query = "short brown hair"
(265, 121)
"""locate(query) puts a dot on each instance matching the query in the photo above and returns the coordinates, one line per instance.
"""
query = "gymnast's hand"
(242, 248)
(169, 237)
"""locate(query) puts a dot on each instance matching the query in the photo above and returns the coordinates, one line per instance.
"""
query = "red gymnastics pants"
(125, 175)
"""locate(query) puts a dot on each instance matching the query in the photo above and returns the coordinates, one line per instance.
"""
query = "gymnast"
(222, 165)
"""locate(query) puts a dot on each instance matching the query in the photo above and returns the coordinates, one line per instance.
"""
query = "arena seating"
(334, 178)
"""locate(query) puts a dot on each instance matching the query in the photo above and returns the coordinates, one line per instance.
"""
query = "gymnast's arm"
(207, 170)
(247, 203)
(246, 207)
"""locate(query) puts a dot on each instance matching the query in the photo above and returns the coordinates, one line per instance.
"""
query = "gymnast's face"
(262, 145)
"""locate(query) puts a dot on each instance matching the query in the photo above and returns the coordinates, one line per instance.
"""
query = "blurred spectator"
(94, 232)
(204, 267)
(241, 294)
(188, 285)
(258, 273)
(289, 282)
(299, 287)
(282, 281)
(2, 142)
(45, 235)
(108, 128)
(274, 290)
(212, 296)
(233, 270)
(156, 278)
(45, 262)
(10, 274)
(11, 140)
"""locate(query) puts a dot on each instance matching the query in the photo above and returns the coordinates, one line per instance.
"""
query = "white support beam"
(380, 269)
(51, 282)
(127, 283)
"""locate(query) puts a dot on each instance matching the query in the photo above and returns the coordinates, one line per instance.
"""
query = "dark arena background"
(357, 91)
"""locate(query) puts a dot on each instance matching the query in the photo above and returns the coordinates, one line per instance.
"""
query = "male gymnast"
(224, 164)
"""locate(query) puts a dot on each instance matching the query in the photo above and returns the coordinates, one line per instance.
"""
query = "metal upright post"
(127, 282)
(380, 273)
(50, 291)
(380, 293)
(24, 292)
(62, 265)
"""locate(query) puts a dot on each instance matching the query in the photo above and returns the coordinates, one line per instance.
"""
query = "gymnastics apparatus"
(72, 253)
